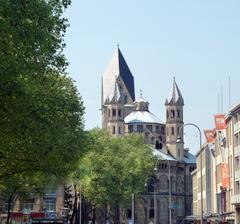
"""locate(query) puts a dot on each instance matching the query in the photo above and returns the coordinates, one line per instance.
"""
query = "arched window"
(151, 185)
(119, 112)
(180, 207)
(114, 112)
(113, 129)
(163, 180)
(172, 130)
(178, 113)
(164, 205)
(179, 185)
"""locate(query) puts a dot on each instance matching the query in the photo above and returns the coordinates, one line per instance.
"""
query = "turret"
(174, 121)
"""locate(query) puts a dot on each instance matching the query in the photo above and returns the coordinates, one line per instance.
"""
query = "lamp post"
(200, 146)
(80, 207)
(133, 208)
(154, 198)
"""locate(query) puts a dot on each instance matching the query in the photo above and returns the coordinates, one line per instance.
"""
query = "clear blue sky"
(198, 42)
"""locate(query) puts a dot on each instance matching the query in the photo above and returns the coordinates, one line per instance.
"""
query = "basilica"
(168, 196)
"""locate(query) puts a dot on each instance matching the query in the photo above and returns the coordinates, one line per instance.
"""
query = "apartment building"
(215, 169)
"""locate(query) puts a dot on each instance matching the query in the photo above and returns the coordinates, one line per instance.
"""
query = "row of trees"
(42, 137)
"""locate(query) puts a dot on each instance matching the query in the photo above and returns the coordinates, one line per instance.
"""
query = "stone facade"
(171, 186)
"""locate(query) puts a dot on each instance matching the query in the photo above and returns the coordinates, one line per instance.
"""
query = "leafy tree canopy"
(114, 168)
(41, 113)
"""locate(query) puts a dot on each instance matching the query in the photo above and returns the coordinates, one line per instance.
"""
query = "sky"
(198, 42)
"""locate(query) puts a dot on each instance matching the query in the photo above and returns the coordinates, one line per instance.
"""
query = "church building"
(168, 196)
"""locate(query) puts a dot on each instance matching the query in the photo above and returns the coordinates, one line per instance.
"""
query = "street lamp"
(80, 206)
(154, 197)
(200, 146)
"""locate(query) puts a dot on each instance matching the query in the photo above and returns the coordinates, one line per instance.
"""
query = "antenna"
(229, 91)
(221, 99)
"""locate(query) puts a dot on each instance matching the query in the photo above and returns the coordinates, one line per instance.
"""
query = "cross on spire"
(141, 93)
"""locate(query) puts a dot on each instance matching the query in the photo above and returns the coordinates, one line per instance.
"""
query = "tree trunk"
(9, 204)
(94, 214)
(74, 206)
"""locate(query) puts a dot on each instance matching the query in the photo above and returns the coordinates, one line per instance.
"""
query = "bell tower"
(118, 94)
(174, 121)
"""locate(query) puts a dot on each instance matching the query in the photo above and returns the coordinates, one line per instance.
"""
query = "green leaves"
(114, 168)
(41, 114)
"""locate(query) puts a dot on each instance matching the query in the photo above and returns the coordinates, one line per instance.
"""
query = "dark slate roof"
(126, 75)
(175, 96)
(117, 67)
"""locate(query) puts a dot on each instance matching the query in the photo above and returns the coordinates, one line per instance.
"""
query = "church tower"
(118, 94)
(174, 121)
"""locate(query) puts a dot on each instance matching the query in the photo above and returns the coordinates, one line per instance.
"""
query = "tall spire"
(115, 95)
(117, 68)
(175, 96)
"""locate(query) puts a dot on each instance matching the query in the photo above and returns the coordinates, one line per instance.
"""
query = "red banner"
(209, 135)
(220, 122)
(225, 175)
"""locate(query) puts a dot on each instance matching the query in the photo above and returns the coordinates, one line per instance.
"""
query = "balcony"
(236, 199)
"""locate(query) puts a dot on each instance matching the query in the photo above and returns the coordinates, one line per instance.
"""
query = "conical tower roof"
(115, 94)
(175, 96)
(117, 67)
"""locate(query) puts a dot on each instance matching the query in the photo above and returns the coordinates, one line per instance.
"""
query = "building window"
(178, 129)
(149, 127)
(162, 129)
(172, 113)
(167, 114)
(172, 130)
(119, 130)
(179, 154)
(49, 204)
(151, 213)
(114, 112)
(108, 112)
(113, 130)
(28, 205)
(119, 112)
(178, 113)
(130, 128)
(139, 128)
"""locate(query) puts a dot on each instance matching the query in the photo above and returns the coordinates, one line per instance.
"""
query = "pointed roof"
(115, 94)
(175, 96)
(141, 104)
(117, 67)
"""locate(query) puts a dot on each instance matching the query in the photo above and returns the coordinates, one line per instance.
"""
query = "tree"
(43, 128)
(114, 168)
(41, 113)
